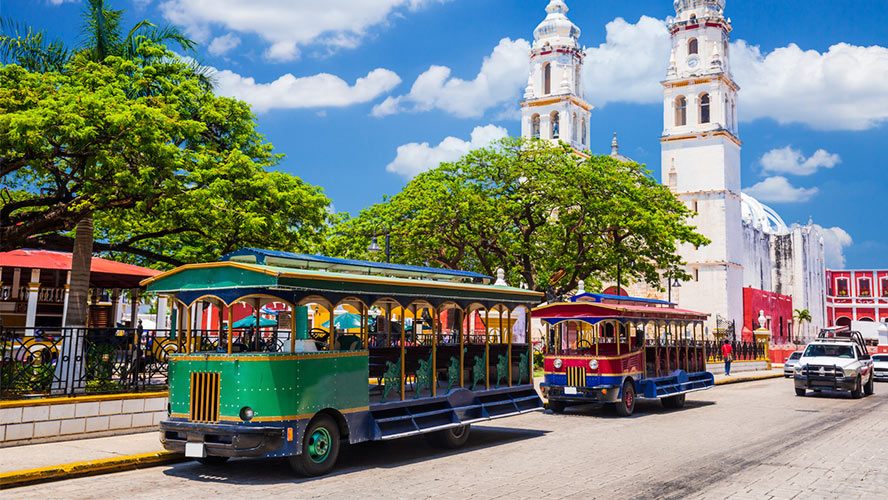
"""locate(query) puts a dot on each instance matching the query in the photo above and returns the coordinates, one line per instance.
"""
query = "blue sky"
(344, 109)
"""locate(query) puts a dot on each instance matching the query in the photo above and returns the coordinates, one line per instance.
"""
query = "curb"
(88, 468)
(748, 378)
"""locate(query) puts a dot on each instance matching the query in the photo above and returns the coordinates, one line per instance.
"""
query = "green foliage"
(543, 214)
(170, 172)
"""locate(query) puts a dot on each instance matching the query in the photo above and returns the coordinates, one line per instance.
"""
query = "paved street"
(751, 440)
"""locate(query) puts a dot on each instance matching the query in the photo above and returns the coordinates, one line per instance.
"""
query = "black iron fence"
(742, 350)
(43, 361)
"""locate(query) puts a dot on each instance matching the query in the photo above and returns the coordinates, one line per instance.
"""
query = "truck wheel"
(868, 388)
(451, 438)
(320, 448)
(626, 405)
(212, 460)
(800, 392)
(677, 401)
(557, 406)
(857, 392)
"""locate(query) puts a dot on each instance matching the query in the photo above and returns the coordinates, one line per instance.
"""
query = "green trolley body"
(301, 404)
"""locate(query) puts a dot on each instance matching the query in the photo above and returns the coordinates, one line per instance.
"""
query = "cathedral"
(756, 265)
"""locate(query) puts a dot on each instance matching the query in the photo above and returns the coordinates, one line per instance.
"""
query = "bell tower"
(700, 149)
(553, 107)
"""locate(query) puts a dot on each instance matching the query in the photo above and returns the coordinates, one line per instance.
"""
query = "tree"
(801, 315)
(544, 214)
(144, 147)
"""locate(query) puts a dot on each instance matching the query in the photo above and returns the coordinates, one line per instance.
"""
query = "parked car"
(836, 360)
(790, 362)
(880, 367)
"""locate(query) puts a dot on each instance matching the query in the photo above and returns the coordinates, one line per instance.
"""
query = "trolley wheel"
(320, 448)
(212, 460)
(677, 401)
(626, 405)
(800, 392)
(857, 392)
(557, 406)
(451, 438)
(868, 388)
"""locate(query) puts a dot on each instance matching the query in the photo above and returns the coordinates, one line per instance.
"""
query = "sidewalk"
(722, 379)
(28, 464)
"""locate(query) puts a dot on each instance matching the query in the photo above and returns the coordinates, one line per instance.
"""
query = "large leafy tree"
(545, 215)
(170, 172)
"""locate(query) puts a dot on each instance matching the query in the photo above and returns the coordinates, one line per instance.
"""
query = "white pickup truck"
(837, 360)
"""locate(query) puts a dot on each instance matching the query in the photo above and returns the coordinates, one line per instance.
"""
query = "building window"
(884, 287)
(842, 287)
(863, 288)
(696, 274)
(692, 46)
(695, 207)
(573, 128)
(704, 108)
(535, 126)
(584, 143)
(555, 131)
(547, 79)
(681, 111)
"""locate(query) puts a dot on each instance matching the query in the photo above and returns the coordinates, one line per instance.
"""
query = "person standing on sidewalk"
(728, 356)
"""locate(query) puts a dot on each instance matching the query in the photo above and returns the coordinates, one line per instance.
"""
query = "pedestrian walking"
(728, 356)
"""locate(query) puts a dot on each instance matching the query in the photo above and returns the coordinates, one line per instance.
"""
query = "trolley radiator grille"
(204, 397)
(576, 376)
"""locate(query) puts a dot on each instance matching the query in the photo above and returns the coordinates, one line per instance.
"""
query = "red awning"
(580, 310)
(104, 273)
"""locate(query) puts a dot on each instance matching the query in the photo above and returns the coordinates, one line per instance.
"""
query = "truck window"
(833, 351)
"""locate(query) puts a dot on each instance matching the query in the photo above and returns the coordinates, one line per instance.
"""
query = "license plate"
(570, 390)
(195, 450)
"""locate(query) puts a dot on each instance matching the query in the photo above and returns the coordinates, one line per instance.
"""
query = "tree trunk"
(78, 306)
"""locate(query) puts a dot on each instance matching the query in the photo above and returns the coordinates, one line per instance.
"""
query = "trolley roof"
(623, 309)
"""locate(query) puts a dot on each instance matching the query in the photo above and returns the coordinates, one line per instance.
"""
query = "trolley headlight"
(246, 414)
(593, 364)
(558, 364)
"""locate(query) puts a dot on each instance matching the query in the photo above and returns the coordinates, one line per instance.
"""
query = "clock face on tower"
(693, 62)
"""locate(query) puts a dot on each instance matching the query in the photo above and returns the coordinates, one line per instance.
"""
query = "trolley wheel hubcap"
(319, 445)
(629, 399)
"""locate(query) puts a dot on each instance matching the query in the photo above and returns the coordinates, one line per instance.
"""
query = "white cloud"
(500, 80)
(224, 44)
(288, 25)
(835, 239)
(414, 158)
(290, 92)
(778, 190)
(629, 65)
(841, 89)
(791, 161)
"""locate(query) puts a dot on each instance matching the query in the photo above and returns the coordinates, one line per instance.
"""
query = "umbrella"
(345, 321)
(251, 321)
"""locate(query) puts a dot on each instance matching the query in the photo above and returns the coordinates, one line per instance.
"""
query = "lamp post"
(374, 246)
(671, 285)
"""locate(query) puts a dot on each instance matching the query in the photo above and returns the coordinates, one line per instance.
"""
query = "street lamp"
(374, 246)
(671, 286)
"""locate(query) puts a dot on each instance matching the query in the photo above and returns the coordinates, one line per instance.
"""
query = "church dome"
(556, 28)
(761, 216)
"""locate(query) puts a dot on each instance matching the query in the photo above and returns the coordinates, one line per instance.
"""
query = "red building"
(777, 309)
(859, 295)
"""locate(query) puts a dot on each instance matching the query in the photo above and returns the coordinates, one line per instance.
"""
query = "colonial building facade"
(857, 295)
(755, 263)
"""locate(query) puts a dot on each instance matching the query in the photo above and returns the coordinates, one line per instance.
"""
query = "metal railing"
(742, 351)
(43, 361)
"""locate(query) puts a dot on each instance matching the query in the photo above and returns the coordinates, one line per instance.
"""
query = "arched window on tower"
(547, 79)
(681, 111)
(555, 131)
(692, 46)
(535, 126)
(574, 126)
(583, 139)
(704, 108)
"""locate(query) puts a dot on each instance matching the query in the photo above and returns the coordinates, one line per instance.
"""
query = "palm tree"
(800, 316)
(101, 36)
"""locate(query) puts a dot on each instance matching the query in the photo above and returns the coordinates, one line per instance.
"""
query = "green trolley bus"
(358, 351)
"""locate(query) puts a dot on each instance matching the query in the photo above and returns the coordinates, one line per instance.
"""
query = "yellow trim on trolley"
(595, 374)
(590, 357)
(291, 357)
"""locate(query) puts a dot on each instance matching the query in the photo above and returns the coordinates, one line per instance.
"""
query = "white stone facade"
(553, 106)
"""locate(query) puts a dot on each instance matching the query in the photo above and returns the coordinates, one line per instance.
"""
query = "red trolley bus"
(615, 349)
